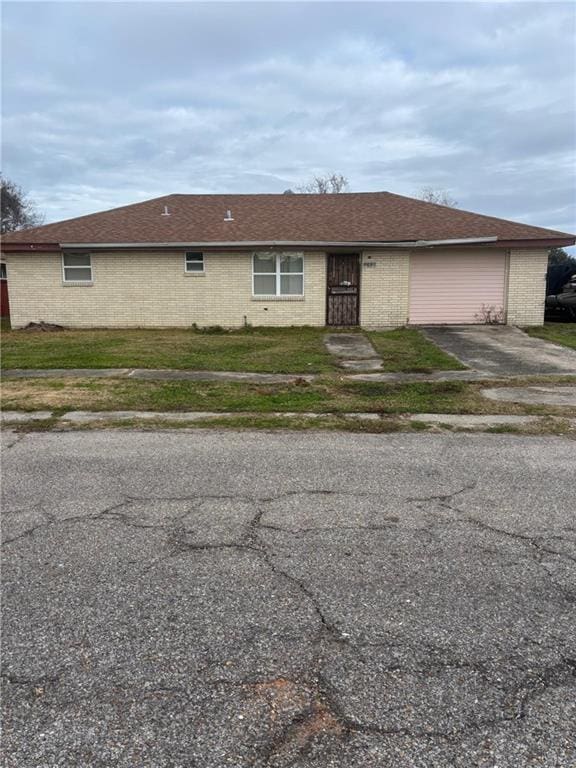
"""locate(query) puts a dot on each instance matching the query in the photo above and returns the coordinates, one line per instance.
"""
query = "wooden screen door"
(343, 304)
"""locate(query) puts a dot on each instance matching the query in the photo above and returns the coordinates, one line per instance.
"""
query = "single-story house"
(370, 259)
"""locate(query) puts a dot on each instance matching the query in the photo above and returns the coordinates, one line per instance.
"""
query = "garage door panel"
(452, 287)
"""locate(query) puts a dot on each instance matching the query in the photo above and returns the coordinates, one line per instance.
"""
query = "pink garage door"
(450, 288)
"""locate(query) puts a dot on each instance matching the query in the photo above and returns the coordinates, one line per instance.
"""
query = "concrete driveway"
(502, 350)
(219, 599)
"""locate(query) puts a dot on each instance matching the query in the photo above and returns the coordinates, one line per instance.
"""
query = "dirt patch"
(321, 721)
(281, 696)
(44, 327)
(310, 717)
(317, 723)
(58, 394)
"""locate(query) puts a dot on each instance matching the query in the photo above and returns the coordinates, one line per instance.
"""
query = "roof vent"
(228, 216)
(166, 211)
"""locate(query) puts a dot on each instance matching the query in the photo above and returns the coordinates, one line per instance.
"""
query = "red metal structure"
(4, 303)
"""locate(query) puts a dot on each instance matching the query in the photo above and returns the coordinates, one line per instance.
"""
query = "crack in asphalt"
(113, 513)
(537, 543)
(18, 438)
(183, 548)
(324, 713)
(197, 498)
(253, 538)
(36, 681)
(318, 717)
(320, 529)
(549, 677)
(533, 541)
(444, 497)
(72, 519)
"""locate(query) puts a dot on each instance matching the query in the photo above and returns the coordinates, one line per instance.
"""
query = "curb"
(448, 420)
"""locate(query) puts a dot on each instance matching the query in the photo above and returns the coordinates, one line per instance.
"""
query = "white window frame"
(194, 271)
(65, 267)
(277, 273)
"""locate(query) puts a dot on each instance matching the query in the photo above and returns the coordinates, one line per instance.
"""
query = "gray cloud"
(111, 103)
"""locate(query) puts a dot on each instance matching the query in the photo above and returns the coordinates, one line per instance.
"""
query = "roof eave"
(288, 244)
(551, 242)
(8, 247)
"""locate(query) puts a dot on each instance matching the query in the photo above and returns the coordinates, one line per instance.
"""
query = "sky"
(109, 103)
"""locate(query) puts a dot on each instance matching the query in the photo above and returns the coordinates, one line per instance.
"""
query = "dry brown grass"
(69, 394)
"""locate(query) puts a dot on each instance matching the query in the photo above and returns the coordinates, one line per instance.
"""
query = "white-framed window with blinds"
(194, 262)
(77, 267)
(278, 274)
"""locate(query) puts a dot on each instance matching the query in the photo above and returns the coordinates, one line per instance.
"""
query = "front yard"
(557, 333)
(328, 394)
(289, 350)
(266, 350)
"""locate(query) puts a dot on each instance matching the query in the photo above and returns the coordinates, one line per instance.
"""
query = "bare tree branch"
(329, 184)
(438, 196)
(18, 212)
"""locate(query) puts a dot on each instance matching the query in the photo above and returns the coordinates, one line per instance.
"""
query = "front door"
(343, 304)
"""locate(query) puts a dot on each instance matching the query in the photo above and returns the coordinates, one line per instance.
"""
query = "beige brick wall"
(526, 290)
(384, 289)
(152, 289)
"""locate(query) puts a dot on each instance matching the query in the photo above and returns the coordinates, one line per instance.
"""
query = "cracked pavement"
(288, 599)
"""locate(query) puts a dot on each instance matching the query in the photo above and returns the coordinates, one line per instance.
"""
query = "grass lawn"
(267, 350)
(326, 395)
(409, 351)
(558, 333)
(277, 350)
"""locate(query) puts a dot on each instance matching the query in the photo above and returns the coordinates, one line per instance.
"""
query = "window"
(194, 262)
(77, 267)
(278, 274)
(3, 274)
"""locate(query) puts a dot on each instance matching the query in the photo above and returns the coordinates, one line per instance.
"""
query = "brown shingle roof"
(346, 218)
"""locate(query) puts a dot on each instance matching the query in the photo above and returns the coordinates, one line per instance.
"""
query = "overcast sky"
(111, 103)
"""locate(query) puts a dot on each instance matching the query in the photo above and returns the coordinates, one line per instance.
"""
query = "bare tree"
(438, 196)
(329, 184)
(18, 212)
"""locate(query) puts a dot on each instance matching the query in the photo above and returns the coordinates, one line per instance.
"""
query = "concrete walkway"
(501, 350)
(154, 374)
(151, 374)
(533, 395)
(353, 351)
(408, 378)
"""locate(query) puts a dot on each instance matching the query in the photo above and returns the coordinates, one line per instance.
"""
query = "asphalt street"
(214, 599)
